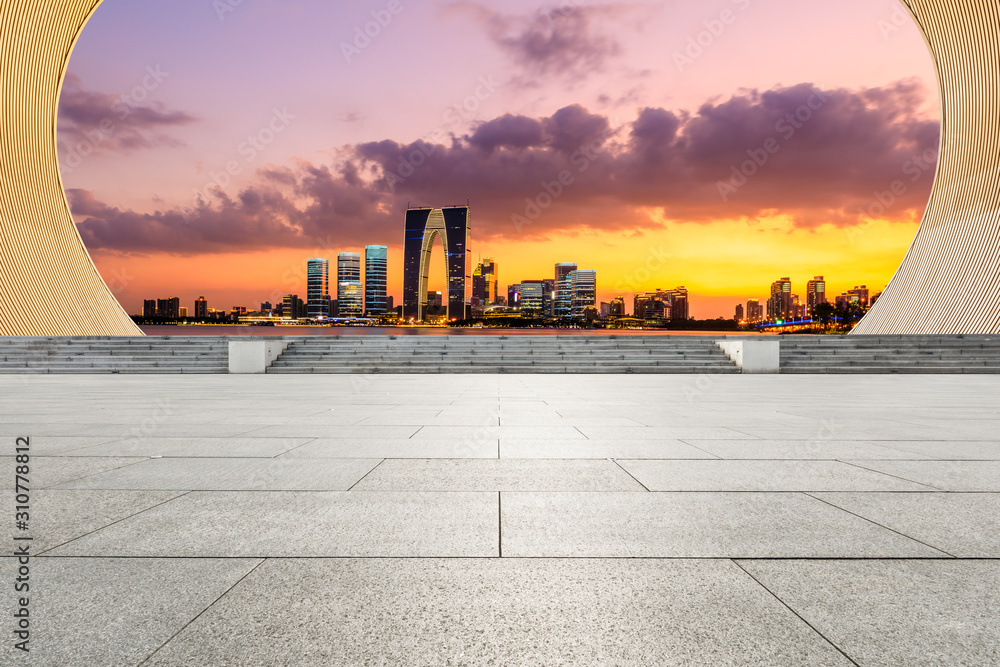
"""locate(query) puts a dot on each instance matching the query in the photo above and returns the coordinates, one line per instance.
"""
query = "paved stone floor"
(506, 520)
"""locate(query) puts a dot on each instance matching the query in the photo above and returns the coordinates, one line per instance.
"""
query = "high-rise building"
(815, 293)
(350, 289)
(478, 288)
(661, 304)
(548, 296)
(754, 312)
(861, 292)
(617, 307)
(200, 307)
(318, 288)
(858, 295)
(679, 303)
(173, 308)
(348, 268)
(739, 313)
(376, 269)
(779, 306)
(292, 307)
(350, 298)
(423, 226)
(562, 300)
(651, 305)
(485, 283)
(182, 311)
(149, 308)
(532, 296)
(514, 295)
(583, 284)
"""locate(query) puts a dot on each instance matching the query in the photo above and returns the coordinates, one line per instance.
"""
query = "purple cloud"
(92, 122)
(820, 156)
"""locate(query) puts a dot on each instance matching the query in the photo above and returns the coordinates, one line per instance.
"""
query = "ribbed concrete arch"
(49, 284)
(949, 281)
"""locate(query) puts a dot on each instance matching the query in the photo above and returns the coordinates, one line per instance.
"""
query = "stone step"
(502, 369)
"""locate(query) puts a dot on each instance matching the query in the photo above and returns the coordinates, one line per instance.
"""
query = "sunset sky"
(211, 148)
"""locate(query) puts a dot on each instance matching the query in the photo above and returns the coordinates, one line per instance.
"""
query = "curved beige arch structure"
(48, 284)
(949, 281)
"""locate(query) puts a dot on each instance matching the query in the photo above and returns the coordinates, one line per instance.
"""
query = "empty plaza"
(509, 519)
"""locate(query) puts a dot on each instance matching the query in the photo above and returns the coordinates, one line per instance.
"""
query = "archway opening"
(685, 237)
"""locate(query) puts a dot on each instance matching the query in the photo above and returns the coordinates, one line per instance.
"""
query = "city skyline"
(605, 145)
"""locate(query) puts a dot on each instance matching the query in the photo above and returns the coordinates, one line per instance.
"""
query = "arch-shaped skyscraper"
(423, 226)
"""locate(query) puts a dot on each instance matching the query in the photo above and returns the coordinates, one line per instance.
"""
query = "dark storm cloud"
(821, 156)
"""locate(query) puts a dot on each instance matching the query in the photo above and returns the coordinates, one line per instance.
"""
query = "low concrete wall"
(254, 356)
(753, 356)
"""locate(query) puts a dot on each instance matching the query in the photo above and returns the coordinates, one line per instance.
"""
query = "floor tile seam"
(716, 457)
(853, 462)
(141, 459)
(276, 456)
(351, 488)
(818, 559)
(796, 614)
(644, 492)
(872, 521)
(79, 449)
(500, 524)
(622, 468)
(124, 518)
(200, 613)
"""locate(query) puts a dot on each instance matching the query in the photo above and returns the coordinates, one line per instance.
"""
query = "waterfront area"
(304, 330)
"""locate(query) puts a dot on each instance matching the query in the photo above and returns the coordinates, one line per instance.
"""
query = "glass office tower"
(376, 263)
(583, 285)
(318, 288)
(562, 300)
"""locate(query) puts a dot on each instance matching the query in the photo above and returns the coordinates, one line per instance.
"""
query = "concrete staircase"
(168, 354)
(600, 353)
(504, 354)
(890, 354)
